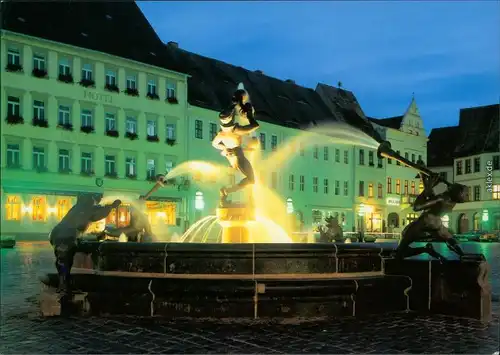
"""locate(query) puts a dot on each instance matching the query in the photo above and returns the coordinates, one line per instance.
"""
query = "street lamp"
(199, 202)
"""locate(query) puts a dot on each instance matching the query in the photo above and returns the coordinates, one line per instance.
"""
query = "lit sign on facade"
(393, 201)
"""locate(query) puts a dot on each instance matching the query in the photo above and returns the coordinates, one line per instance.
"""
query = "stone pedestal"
(234, 219)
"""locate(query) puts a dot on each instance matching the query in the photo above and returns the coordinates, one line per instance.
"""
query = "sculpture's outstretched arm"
(253, 124)
(423, 205)
(101, 212)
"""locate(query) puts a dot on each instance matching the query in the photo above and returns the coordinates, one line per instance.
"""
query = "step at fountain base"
(125, 294)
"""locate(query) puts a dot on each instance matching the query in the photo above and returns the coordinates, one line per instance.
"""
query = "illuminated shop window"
(496, 192)
(39, 207)
(63, 206)
(163, 212)
(13, 208)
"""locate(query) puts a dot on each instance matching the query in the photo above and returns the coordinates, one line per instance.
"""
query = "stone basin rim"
(256, 276)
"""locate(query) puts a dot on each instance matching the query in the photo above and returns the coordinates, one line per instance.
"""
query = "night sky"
(447, 53)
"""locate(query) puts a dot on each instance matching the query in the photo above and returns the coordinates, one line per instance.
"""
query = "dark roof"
(212, 83)
(479, 131)
(441, 145)
(117, 28)
(345, 107)
(390, 122)
(121, 29)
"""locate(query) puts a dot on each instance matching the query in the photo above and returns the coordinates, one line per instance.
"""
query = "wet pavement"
(23, 331)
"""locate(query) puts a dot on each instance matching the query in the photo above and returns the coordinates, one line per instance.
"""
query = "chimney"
(290, 81)
(259, 72)
(173, 44)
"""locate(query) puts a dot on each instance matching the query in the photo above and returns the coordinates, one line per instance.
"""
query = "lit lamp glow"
(161, 214)
(27, 209)
(485, 216)
(52, 210)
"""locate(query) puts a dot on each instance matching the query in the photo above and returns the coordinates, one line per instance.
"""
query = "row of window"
(87, 117)
(459, 165)
(13, 159)
(38, 210)
(87, 74)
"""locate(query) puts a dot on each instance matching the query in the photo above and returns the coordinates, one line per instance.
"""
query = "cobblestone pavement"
(23, 331)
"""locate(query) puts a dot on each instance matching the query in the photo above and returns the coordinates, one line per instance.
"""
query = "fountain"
(241, 264)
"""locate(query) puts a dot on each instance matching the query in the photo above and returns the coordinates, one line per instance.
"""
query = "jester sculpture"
(230, 139)
(429, 223)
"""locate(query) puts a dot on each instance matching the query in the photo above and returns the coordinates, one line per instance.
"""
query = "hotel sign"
(94, 96)
(393, 201)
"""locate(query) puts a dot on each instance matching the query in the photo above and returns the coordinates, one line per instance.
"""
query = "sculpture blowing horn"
(385, 150)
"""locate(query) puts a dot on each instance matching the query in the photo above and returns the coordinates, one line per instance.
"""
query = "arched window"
(289, 205)
(446, 220)
(199, 202)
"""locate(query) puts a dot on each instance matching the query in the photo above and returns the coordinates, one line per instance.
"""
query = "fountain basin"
(268, 281)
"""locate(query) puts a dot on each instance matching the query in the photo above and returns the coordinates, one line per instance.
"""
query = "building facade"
(469, 154)
(401, 183)
(78, 120)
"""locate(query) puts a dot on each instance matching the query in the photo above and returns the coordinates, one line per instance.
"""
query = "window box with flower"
(111, 174)
(87, 129)
(14, 119)
(40, 122)
(153, 138)
(131, 176)
(65, 171)
(39, 73)
(87, 173)
(65, 78)
(14, 68)
(112, 88)
(131, 135)
(14, 166)
(65, 126)
(172, 100)
(87, 83)
(131, 92)
(170, 141)
(112, 133)
(152, 96)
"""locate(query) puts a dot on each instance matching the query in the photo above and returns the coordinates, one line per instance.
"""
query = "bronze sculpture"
(64, 237)
(229, 139)
(430, 223)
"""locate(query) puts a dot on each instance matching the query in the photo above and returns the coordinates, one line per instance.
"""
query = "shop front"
(370, 218)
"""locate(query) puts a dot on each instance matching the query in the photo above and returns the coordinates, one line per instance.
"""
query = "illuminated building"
(386, 188)
(84, 110)
(470, 155)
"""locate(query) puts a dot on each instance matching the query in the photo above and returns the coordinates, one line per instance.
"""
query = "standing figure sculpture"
(430, 223)
(230, 139)
(64, 236)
